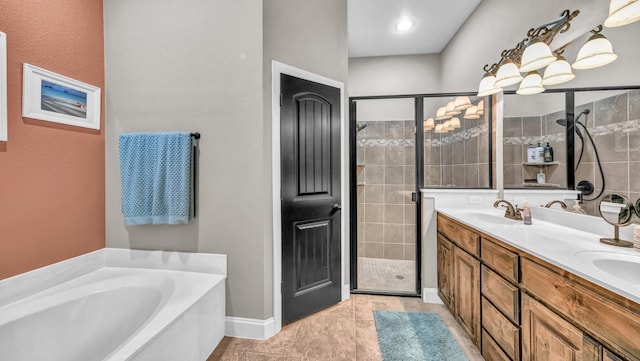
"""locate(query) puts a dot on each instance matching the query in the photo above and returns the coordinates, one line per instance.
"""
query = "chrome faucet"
(511, 212)
(561, 203)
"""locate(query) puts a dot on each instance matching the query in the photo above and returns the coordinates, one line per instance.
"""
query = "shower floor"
(386, 275)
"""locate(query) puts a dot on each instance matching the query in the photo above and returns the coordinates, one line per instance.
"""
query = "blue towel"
(156, 172)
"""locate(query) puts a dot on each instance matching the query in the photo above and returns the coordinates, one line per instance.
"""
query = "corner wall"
(51, 175)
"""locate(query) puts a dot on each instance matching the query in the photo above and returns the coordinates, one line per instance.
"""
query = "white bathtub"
(116, 313)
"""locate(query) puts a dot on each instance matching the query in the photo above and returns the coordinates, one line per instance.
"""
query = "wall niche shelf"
(536, 164)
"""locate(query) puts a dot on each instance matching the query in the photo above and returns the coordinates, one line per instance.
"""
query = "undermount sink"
(621, 265)
(490, 218)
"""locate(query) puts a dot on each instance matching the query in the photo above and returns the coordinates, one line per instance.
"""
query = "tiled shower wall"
(614, 123)
(386, 178)
(518, 133)
(459, 158)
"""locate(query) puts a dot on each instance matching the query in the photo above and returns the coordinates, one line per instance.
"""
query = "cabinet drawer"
(464, 238)
(501, 260)
(617, 326)
(504, 295)
(501, 329)
(490, 349)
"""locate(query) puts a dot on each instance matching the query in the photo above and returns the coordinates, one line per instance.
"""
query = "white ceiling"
(371, 25)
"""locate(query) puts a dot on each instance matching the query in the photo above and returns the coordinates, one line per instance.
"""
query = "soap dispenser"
(541, 177)
(526, 212)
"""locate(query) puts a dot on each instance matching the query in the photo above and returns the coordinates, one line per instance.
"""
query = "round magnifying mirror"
(616, 209)
(638, 207)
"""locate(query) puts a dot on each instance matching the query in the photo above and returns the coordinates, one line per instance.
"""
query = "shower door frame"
(353, 196)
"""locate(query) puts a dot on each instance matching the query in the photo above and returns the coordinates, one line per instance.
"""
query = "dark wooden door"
(310, 189)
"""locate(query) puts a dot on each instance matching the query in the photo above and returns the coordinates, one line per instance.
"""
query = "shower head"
(360, 127)
(563, 122)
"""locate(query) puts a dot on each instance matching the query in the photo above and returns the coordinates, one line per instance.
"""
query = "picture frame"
(3, 87)
(56, 98)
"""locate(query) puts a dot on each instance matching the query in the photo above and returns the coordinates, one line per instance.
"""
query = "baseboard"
(250, 328)
(346, 291)
(430, 295)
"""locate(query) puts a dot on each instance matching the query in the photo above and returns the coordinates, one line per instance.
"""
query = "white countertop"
(572, 249)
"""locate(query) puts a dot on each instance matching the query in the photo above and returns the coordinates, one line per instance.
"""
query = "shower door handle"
(336, 207)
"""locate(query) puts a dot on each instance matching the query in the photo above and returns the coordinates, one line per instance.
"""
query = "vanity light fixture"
(487, 83)
(429, 124)
(440, 129)
(622, 12)
(447, 125)
(531, 84)
(461, 103)
(558, 72)
(441, 113)
(597, 51)
(451, 109)
(455, 123)
(532, 53)
(536, 56)
(472, 113)
(508, 74)
(481, 108)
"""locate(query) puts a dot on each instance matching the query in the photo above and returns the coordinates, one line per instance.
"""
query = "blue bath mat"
(415, 336)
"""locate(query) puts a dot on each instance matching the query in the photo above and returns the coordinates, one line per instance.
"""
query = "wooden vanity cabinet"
(459, 274)
(445, 272)
(530, 310)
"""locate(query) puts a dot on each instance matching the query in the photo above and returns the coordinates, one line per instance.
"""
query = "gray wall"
(206, 66)
(392, 75)
(312, 36)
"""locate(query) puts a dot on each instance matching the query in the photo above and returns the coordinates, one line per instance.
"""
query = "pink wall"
(52, 178)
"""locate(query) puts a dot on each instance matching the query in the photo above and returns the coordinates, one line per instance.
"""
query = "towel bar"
(196, 135)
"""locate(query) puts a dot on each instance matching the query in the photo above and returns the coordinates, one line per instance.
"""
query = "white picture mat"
(3, 87)
(32, 98)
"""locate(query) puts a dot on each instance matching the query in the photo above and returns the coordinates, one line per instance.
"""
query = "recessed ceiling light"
(404, 25)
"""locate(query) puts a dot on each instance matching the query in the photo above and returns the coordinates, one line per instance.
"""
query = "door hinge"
(415, 130)
(281, 100)
(414, 197)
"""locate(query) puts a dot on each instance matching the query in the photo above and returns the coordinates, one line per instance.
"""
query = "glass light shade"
(451, 109)
(531, 84)
(440, 129)
(455, 123)
(508, 74)
(441, 114)
(622, 12)
(597, 51)
(447, 125)
(536, 56)
(481, 107)
(462, 103)
(429, 124)
(472, 113)
(487, 86)
(558, 72)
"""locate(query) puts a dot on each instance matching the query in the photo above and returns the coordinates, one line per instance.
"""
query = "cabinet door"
(546, 336)
(445, 271)
(466, 290)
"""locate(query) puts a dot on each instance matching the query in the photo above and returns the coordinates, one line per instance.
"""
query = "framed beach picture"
(56, 98)
(3, 87)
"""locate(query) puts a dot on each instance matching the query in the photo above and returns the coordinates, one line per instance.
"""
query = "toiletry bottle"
(548, 153)
(541, 177)
(577, 209)
(526, 213)
(539, 153)
(531, 154)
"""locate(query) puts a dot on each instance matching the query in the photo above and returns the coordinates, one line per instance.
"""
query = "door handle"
(336, 207)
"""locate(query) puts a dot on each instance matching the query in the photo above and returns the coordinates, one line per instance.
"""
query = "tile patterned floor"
(377, 274)
(344, 332)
